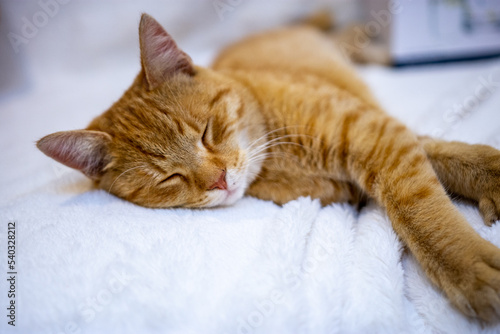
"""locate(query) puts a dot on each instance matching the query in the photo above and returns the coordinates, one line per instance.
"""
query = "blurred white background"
(77, 35)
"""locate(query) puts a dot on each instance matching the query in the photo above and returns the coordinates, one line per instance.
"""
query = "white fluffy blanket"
(88, 262)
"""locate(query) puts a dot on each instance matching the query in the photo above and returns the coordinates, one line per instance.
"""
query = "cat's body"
(294, 89)
(282, 115)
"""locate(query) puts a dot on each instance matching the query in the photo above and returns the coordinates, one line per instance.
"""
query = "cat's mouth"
(232, 196)
(234, 191)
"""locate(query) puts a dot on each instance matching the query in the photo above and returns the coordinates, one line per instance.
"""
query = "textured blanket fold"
(96, 263)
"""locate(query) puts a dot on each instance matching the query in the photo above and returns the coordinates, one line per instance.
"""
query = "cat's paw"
(477, 292)
(489, 206)
(488, 183)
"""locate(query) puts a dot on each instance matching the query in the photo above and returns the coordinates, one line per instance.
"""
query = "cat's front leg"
(471, 171)
(282, 186)
(391, 165)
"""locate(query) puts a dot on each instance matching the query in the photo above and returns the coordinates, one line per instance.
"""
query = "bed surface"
(91, 262)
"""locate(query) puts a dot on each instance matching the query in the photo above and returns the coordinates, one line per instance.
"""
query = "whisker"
(279, 137)
(266, 145)
(282, 143)
(271, 132)
(285, 155)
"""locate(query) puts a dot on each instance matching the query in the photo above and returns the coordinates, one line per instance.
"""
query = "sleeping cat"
(282, 115)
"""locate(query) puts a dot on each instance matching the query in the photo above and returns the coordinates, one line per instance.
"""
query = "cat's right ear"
(161, 58)
(84, 150)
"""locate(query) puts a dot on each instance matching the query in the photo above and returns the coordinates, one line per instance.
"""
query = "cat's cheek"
(237, 184)
(252, 169)
(243, 138)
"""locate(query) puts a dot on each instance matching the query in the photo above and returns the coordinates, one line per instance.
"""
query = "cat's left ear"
(84, 150)
(161, 58)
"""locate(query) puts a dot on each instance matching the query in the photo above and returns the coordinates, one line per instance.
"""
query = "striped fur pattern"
(278, 116)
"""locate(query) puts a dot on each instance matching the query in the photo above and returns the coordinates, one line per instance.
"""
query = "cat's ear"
(161, 58)
(84, 150)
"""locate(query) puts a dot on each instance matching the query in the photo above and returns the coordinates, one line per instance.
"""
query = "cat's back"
(292, 49)
(296, 51)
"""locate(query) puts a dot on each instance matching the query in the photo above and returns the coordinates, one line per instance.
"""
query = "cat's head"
(181, 135)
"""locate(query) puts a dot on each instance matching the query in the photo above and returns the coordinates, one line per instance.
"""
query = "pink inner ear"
(161, 57)
(161, 41)
(86, 151)
(64, 152)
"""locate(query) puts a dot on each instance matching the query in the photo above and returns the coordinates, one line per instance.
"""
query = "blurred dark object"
(12, 77)
(428, 31)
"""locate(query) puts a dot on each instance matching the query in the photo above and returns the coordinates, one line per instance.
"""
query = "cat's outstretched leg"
(390, 164)
(471, 171)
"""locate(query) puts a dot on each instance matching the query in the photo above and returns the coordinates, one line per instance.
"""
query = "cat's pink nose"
(220, 183)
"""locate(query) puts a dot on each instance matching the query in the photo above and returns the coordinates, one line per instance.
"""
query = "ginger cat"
(282, 115)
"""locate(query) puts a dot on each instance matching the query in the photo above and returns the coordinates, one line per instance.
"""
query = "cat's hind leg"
(470, 171)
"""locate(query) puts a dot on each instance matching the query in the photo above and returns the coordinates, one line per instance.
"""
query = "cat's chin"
(225, 198)
(233, 196)
(228, 197)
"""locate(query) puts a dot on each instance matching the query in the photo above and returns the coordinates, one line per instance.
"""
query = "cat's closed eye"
(172, 177)
(206, 138)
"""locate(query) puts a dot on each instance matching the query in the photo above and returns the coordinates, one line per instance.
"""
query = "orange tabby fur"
(282, 115)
